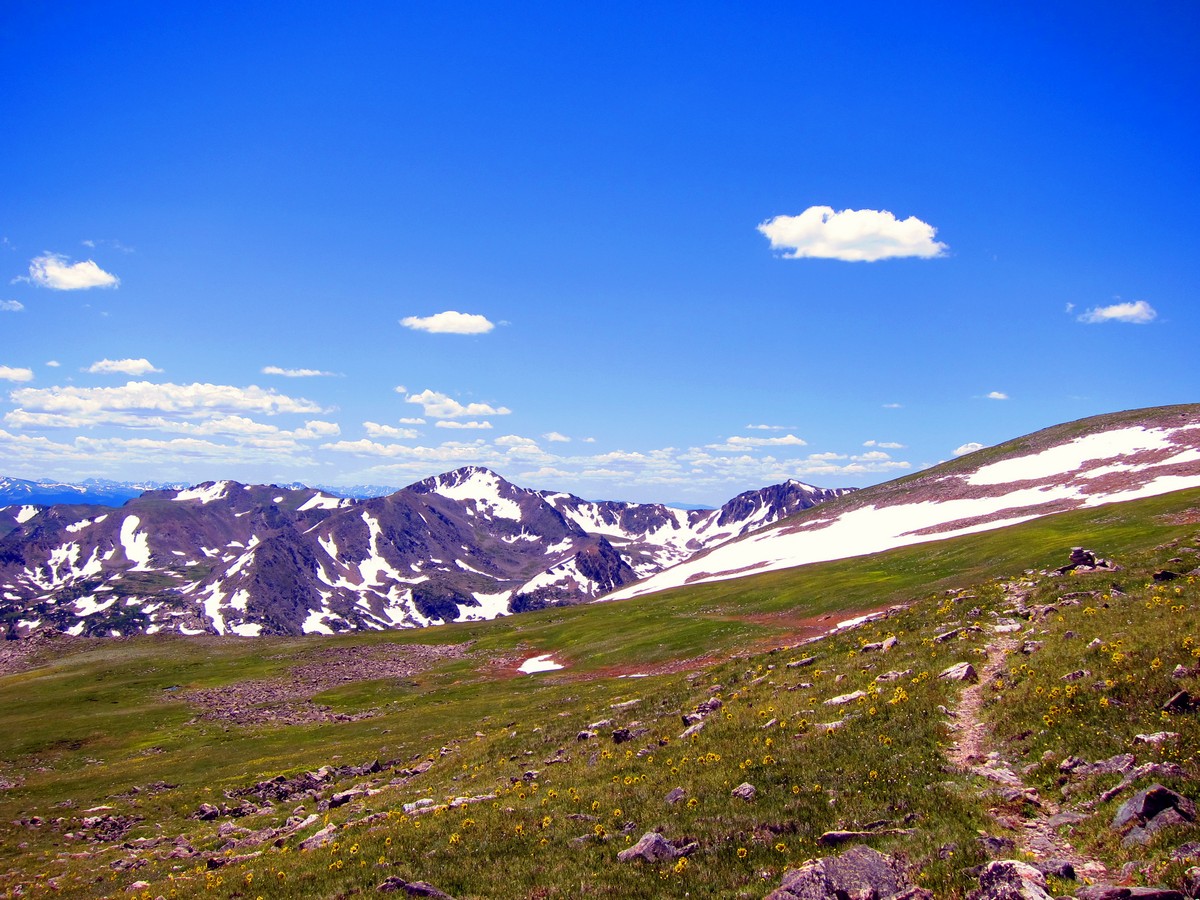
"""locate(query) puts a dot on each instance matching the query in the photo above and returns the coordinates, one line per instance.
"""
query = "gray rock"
(413, 888)
(744, 791)
(962, 671)
(1112, 892)
(859, 872)
(1010, 879)
(653, 847)
(320, 839)
(843, 699)
(1146, 805)
(676, 795)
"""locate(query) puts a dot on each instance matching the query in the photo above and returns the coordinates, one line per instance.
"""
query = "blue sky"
(693, 249)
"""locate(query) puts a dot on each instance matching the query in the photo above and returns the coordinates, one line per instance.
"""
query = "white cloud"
(446, 423)
(556, 438)
(852, 235)
(886, 445)
(871, 456)
(738, 442)
(53, 363)
(440, 406)
(11, 373)
(53, 270)
(449, 322)
(416, 421)
(11, 306)
(826, 457)
(968, 448)
(1139, 312)
(770, 427)
(179, 400)
(316, 429)
(122, 367)
(296, 373)
(893, 406)
(997, 395)
(375, 430)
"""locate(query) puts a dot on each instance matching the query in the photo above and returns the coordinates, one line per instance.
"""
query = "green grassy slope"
(97, 718)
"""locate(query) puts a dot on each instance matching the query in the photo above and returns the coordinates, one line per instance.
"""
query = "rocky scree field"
(993, 718)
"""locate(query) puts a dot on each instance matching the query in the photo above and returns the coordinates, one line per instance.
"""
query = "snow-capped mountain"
(1092, 462)
(244, 559)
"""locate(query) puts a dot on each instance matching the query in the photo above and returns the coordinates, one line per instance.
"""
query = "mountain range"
(229, 558)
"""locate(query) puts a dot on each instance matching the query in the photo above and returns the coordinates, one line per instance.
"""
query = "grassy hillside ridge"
(93, 719)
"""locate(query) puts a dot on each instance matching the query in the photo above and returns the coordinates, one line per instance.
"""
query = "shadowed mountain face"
(259, 559)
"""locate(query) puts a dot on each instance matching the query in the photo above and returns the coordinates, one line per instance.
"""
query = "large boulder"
(859, 872)
(1010, 879)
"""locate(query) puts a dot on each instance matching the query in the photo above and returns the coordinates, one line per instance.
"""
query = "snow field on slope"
(484, 489)
(872, 530)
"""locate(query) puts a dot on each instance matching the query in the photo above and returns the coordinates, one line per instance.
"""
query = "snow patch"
(1072, 455)
(321, 501)
(205, 493)
(484, 488)
(541, 663)
(136, 544)
(25, 513)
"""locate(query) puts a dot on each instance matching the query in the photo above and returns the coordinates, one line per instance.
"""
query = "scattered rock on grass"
(962, 671)
(744, 791)
(653, 847)
(413, 888)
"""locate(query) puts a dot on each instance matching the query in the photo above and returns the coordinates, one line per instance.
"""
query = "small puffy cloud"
(556, 438)
(449, 322)
(997, 395)
(871, 456)
(296, 373)
(12, 373)
(440, 406)
(11, 306)
(851, 235)
(1139, 312)
(375, 430)
(448, 423)
(886, 445)
(53, 363)
(893, 406)
(968, 448)
(53, 270)
(416, 421)
(825, 457)
(122, 367)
